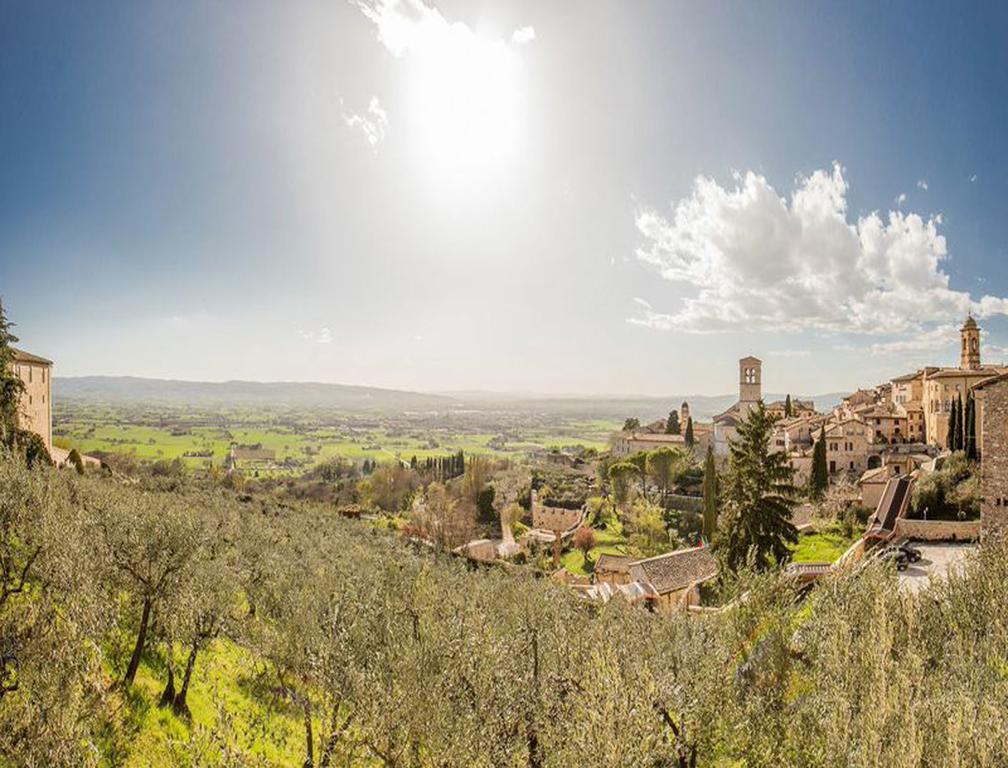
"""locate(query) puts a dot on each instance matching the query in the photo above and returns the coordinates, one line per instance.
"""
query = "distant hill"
(133, 390)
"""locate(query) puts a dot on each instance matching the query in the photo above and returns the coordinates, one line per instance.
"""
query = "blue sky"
(567, 197)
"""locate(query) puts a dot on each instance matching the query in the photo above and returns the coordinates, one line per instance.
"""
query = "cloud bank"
(411, 26)
(749, 259)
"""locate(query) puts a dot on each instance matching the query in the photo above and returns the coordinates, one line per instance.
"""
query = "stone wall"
(553, 518)
(994, 455)
(937, 530)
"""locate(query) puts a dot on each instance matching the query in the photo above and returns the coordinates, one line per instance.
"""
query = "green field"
(824, 547)
(300, 440)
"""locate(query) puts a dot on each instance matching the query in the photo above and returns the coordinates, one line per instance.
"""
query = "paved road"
(936, 561)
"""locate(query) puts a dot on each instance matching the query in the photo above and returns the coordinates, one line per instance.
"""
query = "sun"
(464, 95)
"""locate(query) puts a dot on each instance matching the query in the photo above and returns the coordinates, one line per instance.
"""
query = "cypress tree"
(960, 423)
(819, 476)
(710, 488)
(690, 439)
(788, 409)
(969, 440)
(952, 427)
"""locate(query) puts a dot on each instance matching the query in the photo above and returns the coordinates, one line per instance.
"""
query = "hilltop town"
(874, 448)
(287, 598)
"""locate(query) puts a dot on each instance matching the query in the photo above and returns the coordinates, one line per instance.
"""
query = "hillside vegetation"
(165, 622)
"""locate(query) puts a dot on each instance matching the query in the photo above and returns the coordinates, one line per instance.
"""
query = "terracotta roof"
(750, 359)
(970, 323)
(676, 570)
(618, 563)
(27, 357)
(959, 373)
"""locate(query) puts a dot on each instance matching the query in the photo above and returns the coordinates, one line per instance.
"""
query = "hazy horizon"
(486, 393)
(587, 199)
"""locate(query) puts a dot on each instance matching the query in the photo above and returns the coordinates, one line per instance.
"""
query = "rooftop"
(27, 357)
(676, 570)
(617, 563)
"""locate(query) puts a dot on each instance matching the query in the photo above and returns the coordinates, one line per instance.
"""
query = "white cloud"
(750, 260)
(321, 336)
(901, 198)
(371, 124)
(523, 35)
(789, 353)
(922, 184)
(936, 341)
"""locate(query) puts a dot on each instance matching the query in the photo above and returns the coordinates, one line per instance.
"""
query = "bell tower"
(750, 384)
(969, 359)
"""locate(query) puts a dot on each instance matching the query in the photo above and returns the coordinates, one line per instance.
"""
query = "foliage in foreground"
(364, 651)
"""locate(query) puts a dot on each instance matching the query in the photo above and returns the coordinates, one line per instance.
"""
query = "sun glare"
(464, 94)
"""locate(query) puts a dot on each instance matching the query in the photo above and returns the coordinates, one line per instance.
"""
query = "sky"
(574, 197)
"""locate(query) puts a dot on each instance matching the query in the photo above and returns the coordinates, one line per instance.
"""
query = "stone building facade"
(35, 408)
(992, 414)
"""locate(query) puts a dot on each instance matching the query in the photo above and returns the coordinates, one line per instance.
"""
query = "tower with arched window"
(750, 384)
(970, 355)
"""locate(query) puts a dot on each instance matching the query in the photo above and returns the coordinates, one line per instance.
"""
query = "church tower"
(970, 357)
(750, 384)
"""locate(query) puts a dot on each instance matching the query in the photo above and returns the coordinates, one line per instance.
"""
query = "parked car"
(913, 554)
(895, 555)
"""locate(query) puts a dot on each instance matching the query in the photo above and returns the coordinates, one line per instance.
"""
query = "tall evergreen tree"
(672, 426)
(953, 427)
(710, 491)
(960, 423)
(11, 386)
(819, 475)
(969, 436)
(759, 497)
(788, 408)
(690, 438)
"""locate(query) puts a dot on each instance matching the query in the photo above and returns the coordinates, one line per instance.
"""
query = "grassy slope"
(225, 677)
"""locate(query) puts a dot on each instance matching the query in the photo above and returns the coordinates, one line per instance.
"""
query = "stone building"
(941, 387)
(35, 408)
(778, 408)
(628, 443)
(992, 429)
(847, 446)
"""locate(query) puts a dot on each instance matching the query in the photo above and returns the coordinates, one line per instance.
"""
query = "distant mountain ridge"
(131, 389)
(135, 390)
